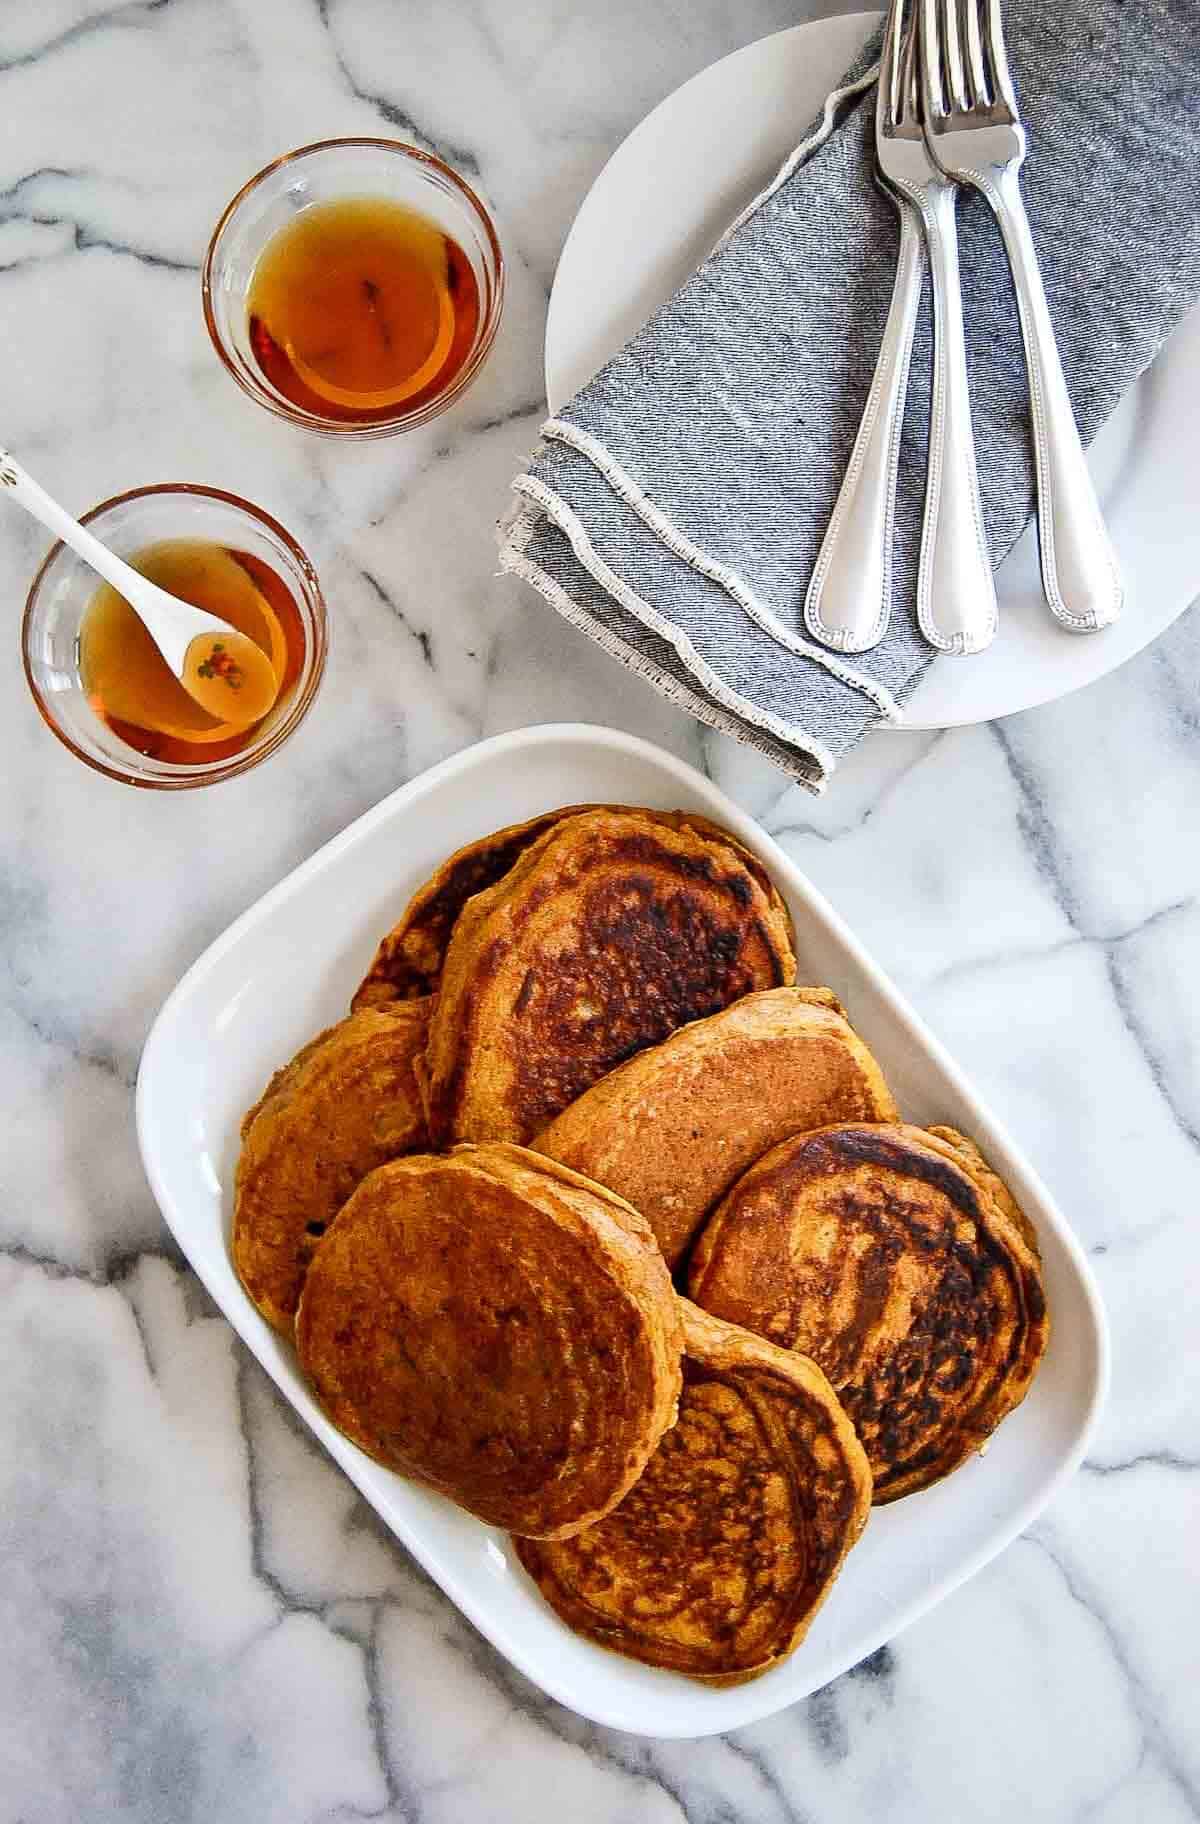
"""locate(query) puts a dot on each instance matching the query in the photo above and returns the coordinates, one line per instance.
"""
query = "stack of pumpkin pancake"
(592, 1219)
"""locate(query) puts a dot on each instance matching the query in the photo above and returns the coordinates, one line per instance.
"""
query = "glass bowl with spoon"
(196, 656)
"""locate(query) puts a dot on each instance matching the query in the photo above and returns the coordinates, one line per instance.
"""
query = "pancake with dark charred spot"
(347, 1102)
(409, 960)
(675, 1126)
(968, 1155)
(717, 1559)
(875, 1250)
(498, 1328)
(611, 931)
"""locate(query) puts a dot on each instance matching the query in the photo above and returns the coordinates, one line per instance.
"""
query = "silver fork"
(849, 596)
(974, 132)
(849, 599)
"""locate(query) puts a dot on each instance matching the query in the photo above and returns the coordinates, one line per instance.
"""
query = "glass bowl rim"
(317, 635)
(311, 421)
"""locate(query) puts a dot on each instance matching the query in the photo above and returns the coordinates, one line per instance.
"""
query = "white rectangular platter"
(288, 966)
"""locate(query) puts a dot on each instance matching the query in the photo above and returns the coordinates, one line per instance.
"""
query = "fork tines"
(968, 64)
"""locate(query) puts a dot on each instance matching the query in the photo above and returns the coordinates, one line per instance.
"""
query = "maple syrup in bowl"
(354, 287)
(97, 676)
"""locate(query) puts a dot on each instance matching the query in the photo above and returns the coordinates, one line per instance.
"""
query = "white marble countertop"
(200, 1619)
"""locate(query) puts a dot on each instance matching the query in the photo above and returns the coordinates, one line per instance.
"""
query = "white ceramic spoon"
(222, 669)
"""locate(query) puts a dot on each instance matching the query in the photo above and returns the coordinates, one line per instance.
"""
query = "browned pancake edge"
(874, 1250)
(499, 1329)
(968, 1155)
(675, 1126)
(408, 962)
(409, 959)
(345, 1104)
(610, 931)
(719, 1557)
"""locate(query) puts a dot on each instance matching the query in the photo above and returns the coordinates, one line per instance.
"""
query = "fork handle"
(849, 598)
(956, 596)
(1080, 575)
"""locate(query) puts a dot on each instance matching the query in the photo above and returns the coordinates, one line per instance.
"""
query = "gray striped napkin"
(675, 507)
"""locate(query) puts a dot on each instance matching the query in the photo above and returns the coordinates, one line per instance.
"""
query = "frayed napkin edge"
(792, 748)
(801, 755)
(696, 558)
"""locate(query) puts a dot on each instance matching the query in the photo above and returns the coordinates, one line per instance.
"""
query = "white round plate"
(661, 203)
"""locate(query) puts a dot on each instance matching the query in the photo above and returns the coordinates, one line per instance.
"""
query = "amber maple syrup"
(128, 682)
(362, 310)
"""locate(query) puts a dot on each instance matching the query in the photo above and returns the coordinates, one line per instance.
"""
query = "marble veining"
(201, 1619)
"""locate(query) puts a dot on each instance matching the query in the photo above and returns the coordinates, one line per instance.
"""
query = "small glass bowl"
(64, 586)
(330, 171)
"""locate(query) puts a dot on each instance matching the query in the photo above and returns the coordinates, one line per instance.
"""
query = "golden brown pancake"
(409, 960)
(613, 929)
(875, 1251)
(718, 1558)
(498, 1328)
(675, 1126)
(346, 1103)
